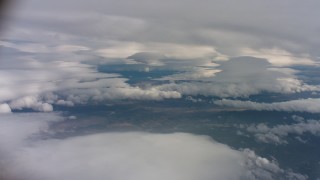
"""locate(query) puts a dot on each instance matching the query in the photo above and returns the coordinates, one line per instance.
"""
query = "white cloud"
(279, 57)
(42, 48)
(16, 128)
(278, 133)
(120, 49)
(156, 22)
(70, 48)
(64, 103)
(301, 105)
(239, 77)
(5, 108)
(76, 82)
(49, 53)
(198, 73)
(22, 83)
(31, 102)
(149, 58)
(131, 155)
(181, 51)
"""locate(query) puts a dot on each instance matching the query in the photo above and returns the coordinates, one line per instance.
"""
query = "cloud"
(5, 108)
(26, 154)
(42, 48)
(16, 128)
(121, 50)
(64, 103)
(49, 56)
(149, 58)
(46, 46)
(30, 102)
(301, 105)
(278, 133)
(279, 57)
(155, 22)
(151, 51)
(240, 77)
(196, 73)
(23, 85)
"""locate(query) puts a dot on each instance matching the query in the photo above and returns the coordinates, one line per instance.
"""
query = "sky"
(57, 56)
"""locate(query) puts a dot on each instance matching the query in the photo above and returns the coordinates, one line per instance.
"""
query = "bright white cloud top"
(114, 156)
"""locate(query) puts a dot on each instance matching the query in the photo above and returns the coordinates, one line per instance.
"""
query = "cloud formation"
(153, 21)
(54, 49)
(5, 108)
(239, 77)
(50, 56)
(30, 102)
(301, 105)
(78, 82)
(278, 133)
(25, 154)
(24, 85)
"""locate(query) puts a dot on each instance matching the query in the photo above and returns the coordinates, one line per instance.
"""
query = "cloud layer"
(301, 105)
(153, 21)
(5, 108)
(51, 52)
(56, 49)
(26, 154)
(29, 80)
(277, 134)
(239, 77)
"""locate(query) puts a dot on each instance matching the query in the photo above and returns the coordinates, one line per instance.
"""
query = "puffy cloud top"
(5, 108)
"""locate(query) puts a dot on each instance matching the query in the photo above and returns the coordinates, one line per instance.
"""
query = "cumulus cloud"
(300, 105)
(241, 77)
(46, 46)
(42, 63)
(5, 108)
(38, 76)
(30, 102)
(132, 155)
(278, 133)
(23, 85)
